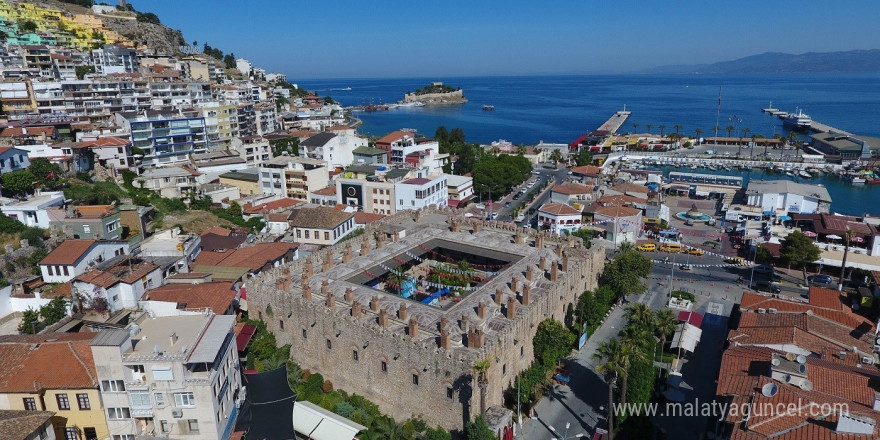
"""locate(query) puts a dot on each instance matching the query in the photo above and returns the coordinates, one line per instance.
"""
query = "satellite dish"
(790, 356)
(801, 359)
(802, 368)
(806, 385)
(775, 362)
(769, 389)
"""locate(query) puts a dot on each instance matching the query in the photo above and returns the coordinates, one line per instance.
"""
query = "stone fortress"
(412, 358)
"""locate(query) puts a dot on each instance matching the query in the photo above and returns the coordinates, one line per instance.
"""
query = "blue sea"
(561, 108)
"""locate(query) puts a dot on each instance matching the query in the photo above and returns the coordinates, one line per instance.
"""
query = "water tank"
(381, 169)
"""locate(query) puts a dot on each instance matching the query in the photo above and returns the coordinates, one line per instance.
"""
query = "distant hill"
(854, 61)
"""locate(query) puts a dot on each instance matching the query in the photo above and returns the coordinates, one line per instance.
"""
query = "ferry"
(798, 120)
(489, 108)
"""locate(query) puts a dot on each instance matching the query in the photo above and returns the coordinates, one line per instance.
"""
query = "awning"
(319, 424)
(784, 218)
(247, 332)
(686, 337)
(692, 318)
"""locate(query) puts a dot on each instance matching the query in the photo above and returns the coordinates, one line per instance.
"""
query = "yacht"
(798, 120)
(489, 108)
(805, 174)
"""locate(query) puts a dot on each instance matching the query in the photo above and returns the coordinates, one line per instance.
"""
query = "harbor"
(812, 125)
(613, 124)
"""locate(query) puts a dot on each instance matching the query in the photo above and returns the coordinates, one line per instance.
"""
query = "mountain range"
(853, 61)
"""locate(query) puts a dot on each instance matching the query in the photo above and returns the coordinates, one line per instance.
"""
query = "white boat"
(805, 174)
(798, 120)
(789, 174)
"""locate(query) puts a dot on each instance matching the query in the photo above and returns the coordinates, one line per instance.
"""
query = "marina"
(615, 121)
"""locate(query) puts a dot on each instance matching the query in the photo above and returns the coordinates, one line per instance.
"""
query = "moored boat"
(489, 108)
(797, 120)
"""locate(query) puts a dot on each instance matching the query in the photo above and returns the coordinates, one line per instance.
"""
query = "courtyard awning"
(686, 337)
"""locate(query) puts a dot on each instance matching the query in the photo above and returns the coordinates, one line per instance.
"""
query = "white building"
(74, 257)
(112, 152)
(253, 149)
(557, 217)
(171, 182)
(336, 150)
(171, 243)
(421, 192)
(114, 59)
(121, 281)
(570, 193)
(173, 376)
(13, 159)
(34, 210)
(460, 188)
(244, 66)
(293, 177)
(320, 225)
(621, 223)
(276, 77)
(784, 197)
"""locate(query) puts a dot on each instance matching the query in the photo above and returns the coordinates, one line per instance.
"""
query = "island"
(435, 94)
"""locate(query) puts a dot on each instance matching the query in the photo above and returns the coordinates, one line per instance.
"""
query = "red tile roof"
(28, 131)
(219, 230)
(628, 187)
(108, 142)
(121, 272)
(217, 296)
(328, 191)
(827, 298)
(587, 170)
(617, 211)
(29, 367)
(253, 257)
(572, 188)
(273, 206)
(416, 181)
(558, 209)
(68, 252)
(363, 218)
(393, 136)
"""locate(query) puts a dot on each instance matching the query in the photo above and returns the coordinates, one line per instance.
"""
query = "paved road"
(583, 402)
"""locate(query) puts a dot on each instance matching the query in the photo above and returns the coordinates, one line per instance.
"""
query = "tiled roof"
(108, 142)
(827, 298)
(622, 200)
(587, 170)
(217, 296)
(68, 252)
(121, 272)
(393, 136)
(630, 187)
(844, 316)
(212, 242)
(30, 367)
(280, 217)
(253, 257)
(572, 188)
(617, 211)
(218, 230)
(558, 209)
(328, 191)
(20, 425)
(363, 218)
(276, 205)
(416, 181)
(318, 217)
(28, 131)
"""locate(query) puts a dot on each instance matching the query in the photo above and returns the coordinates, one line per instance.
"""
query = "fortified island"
(436, 94)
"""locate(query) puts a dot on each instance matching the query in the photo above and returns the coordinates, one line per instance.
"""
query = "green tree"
(763, 255)
(677, 128)
(583, 157)
(625, 272)
(441, 135)
(27, 26)
(9, 225)
(699, 133)
(45, 172)
(18, 182)
(639, 314)
(479, 430)
(30, 322)
(456, 136)
(55, 310)
(556, 156)
(82, 71)
(649, 127)
(148, 17)
(552, 342)
(229, 60)
(799, 250)
(729, 129)
(234, 209)
(665, 324)
(662, 129)
(481, 368)
(611, 368)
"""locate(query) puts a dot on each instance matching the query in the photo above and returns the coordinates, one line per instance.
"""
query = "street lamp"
(565, 436)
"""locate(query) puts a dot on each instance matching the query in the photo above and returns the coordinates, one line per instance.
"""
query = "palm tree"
(631, 351)
(521, 150)
(848, 236)
(396, 279)
(662, 128)
(639, 314)
(556, 156)
(649, 126)
(481, 367)
(626, 246)
(611, 367)
(294, 375)
(677, 128)
(729, 129)
(635, 128)
(665, 323)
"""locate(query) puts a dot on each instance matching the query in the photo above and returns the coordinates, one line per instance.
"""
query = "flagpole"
(718, 117)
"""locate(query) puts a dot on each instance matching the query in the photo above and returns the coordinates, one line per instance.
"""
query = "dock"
(615, 121)
(815, 126)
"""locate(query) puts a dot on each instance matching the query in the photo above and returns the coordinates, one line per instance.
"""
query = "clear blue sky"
(383, 38)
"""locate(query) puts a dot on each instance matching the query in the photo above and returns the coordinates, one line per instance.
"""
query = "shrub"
(328, 386)
(681, 294)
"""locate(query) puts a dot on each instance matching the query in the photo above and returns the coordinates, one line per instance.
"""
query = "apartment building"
(293, 177)
(114, 59)
(95, 221)
(253, 149)
(336, 150)
(371, 196)
(17, 98)
(13, 159)
(420, 192)
(173, 374)
(221, 121)
(171, 182)
(74, 257)
(174, 92)
(265, 119)
(164, 136)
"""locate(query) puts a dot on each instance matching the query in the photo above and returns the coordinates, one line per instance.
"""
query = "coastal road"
(544, 174)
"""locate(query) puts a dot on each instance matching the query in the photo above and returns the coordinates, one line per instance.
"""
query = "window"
(384, 366)
(82, 400)
(522, 351)
(123, 437)
(140, 400)
(90, 433)
(184, 399)
(326, 235)
(164, 425)
(65, 271)
(30, 404)
(329, 344)
(87, 229)
(281, 324)
(63, 402)
(415, 379)
(307, 234)
(193, 425)
(112, 386)
(305, 334)
(298, 233)
(354, 354)
(450, 393)
(118, 413)
(49, 268)
(160, 399)
(504, 369)
(70, 433)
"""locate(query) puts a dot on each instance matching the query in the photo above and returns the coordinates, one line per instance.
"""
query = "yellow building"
(54, 372)
(248, 184)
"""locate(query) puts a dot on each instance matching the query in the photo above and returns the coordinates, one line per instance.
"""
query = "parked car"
(507, 204)
(763, 268)
(764, 286)
(696, 252)
(819, 279)
(494, 215)
(647, 247)
(685, 267)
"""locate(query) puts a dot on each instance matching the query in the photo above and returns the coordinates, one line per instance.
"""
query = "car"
(739, 261)
(517, 196)
(688, 222)
(494, 215)
(647, 247)
(696, 252)
(763, 268)
(819, 279)
(507, 204)
(729, 229)
(685, 267)
(570, 173)
(763, 286)
(535, 172)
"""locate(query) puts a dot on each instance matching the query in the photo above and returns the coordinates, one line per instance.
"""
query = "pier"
(815, 126)
(615, 121)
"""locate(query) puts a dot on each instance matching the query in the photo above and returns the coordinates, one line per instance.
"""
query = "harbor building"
(170, 375)
(845, 147)
(784, 197)
(409, 346)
